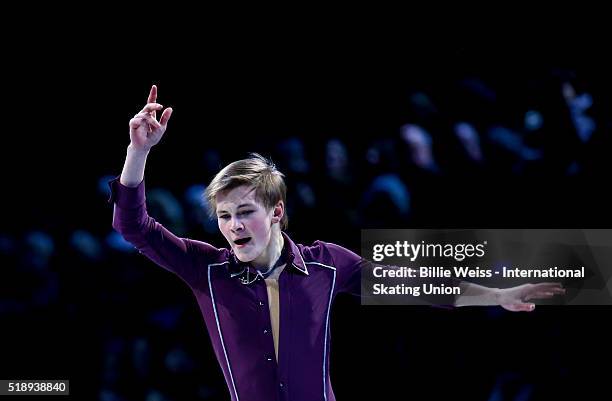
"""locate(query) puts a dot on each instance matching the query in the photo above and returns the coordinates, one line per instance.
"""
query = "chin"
(244, 258)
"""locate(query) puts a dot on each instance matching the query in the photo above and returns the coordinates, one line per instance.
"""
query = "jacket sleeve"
(348, 266)
(130, 218)
(355, 276)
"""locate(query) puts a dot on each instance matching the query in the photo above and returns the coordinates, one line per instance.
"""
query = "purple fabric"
(234, 303)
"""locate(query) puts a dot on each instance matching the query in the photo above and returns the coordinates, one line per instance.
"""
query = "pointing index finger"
(152, 94)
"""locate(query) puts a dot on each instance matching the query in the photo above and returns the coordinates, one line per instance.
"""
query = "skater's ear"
(278, 212)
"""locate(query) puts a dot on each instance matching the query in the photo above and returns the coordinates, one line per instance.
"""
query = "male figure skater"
(265, 300)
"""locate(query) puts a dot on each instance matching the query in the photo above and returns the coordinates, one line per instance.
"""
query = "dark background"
(75, 305)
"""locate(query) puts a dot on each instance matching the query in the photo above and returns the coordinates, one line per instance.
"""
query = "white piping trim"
(331, 292)
(304, 263)
(212, 297)
(321, 264)
(237, 274)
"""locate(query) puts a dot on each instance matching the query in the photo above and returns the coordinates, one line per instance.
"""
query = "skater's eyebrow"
(239, 206)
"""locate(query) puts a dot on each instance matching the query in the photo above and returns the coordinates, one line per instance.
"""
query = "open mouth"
(242, 241)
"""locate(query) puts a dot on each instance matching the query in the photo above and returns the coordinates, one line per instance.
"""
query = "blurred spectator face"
(578, 105)
(86, 245)
(39, 247)
(336, 157)
(167, 208)
(294, 154)
(198, 208)
(420, 145)
(469, 139)
(568, 91)
(533, 120)
(246, 224)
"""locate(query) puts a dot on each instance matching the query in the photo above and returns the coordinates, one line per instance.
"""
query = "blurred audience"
(458, 150)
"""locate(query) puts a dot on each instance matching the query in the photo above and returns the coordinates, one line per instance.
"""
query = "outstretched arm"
(515, 299)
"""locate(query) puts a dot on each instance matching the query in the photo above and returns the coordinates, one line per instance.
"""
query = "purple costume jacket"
(233, 300)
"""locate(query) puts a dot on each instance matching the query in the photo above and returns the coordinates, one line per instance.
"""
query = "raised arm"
(179, 255)
(145, 132)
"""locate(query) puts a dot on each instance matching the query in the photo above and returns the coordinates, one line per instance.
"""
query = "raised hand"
(145, 130)
(516, 299)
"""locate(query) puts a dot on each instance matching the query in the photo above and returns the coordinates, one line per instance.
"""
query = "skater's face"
(245, 223)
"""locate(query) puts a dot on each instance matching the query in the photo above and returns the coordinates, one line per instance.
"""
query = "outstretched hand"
(516, 299)
(145, 130)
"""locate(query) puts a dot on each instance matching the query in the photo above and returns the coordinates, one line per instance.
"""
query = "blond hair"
(256, 171)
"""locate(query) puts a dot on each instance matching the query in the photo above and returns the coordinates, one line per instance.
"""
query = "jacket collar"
(247, 274)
